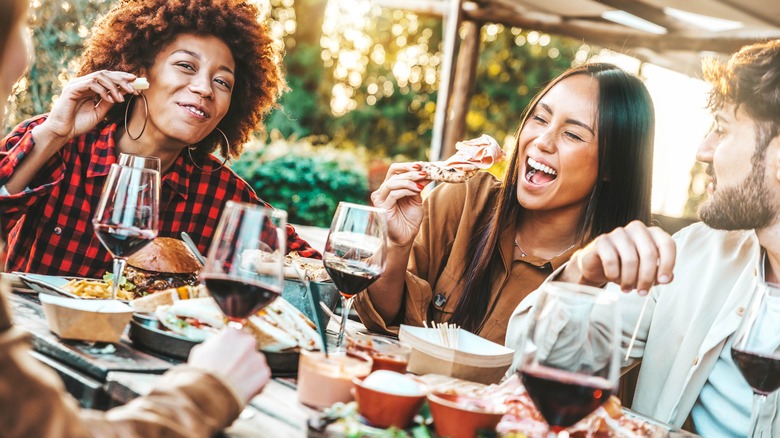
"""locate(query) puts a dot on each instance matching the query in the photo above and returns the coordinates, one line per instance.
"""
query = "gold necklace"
(523, 253)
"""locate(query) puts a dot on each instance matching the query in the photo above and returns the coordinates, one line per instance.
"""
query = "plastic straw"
(636, 328)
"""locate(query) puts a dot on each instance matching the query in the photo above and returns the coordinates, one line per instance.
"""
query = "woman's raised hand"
(636, 257)
(399, 194)
(85, 101)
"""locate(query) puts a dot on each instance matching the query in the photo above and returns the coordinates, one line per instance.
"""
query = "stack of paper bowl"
(86, 320)
(473, 358)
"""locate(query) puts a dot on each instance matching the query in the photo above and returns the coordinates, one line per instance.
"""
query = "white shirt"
(687, 322)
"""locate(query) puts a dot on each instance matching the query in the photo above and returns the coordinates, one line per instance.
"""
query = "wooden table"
(101, 376)
(107, 375)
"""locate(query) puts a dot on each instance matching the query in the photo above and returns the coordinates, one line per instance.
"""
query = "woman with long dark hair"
(471, 252)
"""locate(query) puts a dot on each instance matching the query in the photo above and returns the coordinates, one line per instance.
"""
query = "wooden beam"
(436, 8)
(454, 18)
(599, 33)
(620, 37)
(463, 87)
(648, 12)
(739, 6)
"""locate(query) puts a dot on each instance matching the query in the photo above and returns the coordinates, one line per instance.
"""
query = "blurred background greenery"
(363, 83)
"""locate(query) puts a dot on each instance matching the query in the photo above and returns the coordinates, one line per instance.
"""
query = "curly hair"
(131, 35)
(751, 80)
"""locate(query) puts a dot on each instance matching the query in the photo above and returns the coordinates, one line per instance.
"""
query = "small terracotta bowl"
(456, 416)
(383, 410)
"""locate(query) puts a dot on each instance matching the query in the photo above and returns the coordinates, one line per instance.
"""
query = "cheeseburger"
(162, 264)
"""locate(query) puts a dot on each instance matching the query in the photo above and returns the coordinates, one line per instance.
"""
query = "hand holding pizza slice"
(472, 155)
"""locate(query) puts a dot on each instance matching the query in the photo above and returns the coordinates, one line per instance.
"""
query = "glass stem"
(119, 267)
(755, 413)
(346, 306)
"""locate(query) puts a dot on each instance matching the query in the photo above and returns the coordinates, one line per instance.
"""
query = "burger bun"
(165, 254)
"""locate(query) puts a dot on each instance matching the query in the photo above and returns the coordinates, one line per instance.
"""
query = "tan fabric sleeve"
(443, 218)
(34, 403)
(417, 296)
(187, 403)
(33, 399)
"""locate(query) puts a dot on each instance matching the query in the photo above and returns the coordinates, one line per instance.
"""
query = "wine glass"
(355, 253)
(756, 347)
(139, 161)
(127, 215)
(244, 269)
(569, 354)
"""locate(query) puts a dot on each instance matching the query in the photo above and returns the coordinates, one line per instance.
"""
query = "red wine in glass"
(244, 268)
(355, 253)
(239, 298)
(564, 398)
(571, 370)
(351, 278)
(123, 241)
(127, 214)
(761, 372)
(755, 349)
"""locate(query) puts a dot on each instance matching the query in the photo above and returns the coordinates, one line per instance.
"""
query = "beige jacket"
(433, 283)
(34, 403)
(687, 322)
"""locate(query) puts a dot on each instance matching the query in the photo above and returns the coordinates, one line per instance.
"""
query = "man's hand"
(634, 256)
(233, 355)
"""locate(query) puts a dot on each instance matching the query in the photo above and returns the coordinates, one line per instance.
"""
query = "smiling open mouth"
(539, 173)
(198, 112)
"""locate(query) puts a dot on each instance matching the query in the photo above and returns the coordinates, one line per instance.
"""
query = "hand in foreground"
(233, 355)
(635, 257)
(399, 194)
(75, 112)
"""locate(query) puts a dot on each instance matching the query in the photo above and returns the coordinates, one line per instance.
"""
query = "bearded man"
(703, 278)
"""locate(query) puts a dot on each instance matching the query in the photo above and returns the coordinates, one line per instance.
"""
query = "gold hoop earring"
(227, 143)
(146, 117)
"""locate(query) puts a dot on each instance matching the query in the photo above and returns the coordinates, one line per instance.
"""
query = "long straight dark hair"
(626, 124)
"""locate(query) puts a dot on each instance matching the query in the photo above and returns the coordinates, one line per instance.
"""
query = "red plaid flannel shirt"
(48, 229)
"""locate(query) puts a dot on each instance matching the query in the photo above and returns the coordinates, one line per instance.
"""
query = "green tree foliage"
(514, 65)
(385, 68)
(304, 106)
(305, 180)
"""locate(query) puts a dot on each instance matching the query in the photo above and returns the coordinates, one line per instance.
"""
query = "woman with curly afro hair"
(212, 72)
(192, 400)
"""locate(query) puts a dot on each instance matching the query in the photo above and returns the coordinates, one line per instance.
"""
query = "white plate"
(47, 284)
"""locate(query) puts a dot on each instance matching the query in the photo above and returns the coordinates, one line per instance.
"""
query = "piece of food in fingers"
(140, 84)
(472, 156)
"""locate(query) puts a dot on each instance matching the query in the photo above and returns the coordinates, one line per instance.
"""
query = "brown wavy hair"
(751, 80)
(131, 35)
